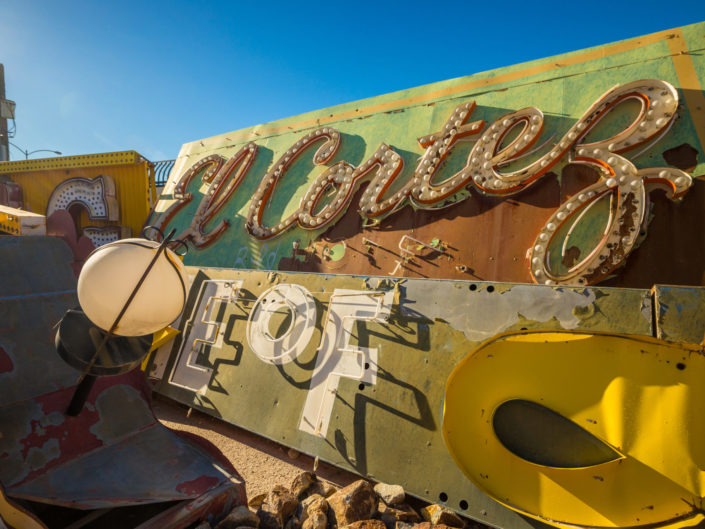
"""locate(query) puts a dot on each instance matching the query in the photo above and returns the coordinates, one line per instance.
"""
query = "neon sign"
(98, 197)
(508, 140)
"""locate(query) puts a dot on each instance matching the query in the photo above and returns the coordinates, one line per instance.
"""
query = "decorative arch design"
(96, 195)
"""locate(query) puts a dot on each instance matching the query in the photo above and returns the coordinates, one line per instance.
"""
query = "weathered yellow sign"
(589, 430)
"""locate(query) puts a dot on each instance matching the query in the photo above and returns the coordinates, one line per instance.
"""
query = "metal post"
(4, 145)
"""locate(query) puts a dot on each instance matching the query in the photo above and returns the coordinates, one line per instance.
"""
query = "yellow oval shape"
(640, 398)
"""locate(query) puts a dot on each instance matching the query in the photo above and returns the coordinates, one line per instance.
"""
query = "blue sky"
(102, 76)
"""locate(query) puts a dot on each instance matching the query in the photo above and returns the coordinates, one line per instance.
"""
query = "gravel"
(262, 463)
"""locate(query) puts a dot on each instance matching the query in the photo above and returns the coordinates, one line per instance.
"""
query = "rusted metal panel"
(211, 506)
(250, 199)
(115, 452)
(679, 313)
(379, 417)
(106, 457)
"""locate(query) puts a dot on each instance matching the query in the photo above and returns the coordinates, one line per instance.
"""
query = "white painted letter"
(337, 358)
(283, 349)
(202, 329)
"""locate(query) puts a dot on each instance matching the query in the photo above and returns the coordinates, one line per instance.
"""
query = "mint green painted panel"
(680, 313)
(563, 94)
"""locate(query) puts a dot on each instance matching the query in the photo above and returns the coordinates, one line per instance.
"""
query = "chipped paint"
(114, 452)
(15, 428)
(110, 426)
(38, 457)
(54, 419)
(483, 208)
(482, 313)
(393, 368)
(431, 325)
(196, 486)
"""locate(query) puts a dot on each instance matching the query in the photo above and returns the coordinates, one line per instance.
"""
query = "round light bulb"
(112, 272)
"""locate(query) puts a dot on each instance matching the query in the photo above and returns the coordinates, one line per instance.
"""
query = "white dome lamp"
(128, 290)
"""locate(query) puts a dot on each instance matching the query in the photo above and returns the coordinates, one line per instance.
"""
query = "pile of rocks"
(310, 503)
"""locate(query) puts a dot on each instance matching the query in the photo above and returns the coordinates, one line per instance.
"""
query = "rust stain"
(624, 229)
(471, 234)
(575, 178)
(667, 255)
(683, 157)
(572, 256)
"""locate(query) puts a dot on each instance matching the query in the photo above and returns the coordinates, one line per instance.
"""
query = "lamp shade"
(111, 274)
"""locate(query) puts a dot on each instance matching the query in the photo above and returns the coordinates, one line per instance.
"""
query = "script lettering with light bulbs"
(507, 140)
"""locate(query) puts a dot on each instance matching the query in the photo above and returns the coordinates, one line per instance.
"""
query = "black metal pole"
(85, 383)
(4, 138)
(80, 395)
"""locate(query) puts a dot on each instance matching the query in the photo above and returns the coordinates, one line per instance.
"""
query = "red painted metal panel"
(115, 452)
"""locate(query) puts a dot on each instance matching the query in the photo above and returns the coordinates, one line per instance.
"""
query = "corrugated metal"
(162, 169)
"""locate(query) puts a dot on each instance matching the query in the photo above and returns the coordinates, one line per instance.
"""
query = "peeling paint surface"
(456, 270)
(481, 314)
(480, 234)
(148, 466)
(680, 313)
(30, 305)
(194, 486)
(114, 452)
(38, 457)
(430, 327)
(112, 426)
